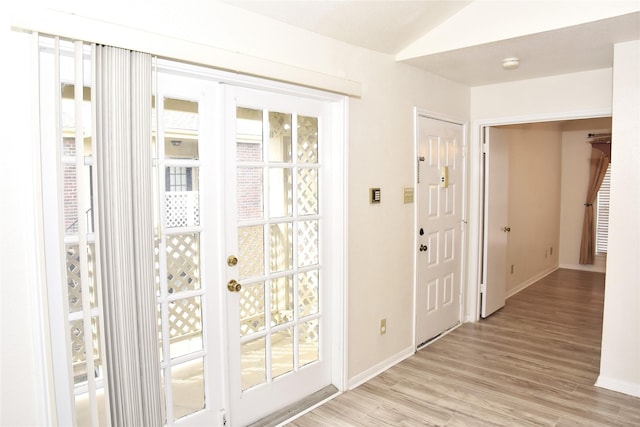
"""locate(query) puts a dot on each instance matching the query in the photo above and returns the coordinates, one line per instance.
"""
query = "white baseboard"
(585, 267)
(626, 387)
(531, 281)
(365, 376)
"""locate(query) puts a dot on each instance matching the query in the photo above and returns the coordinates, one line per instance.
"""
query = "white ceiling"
(391, 26)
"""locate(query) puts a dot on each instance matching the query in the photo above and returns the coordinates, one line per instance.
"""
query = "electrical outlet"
(383, 326)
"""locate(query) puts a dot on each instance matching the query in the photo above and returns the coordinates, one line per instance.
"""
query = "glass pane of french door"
(185, 284)
(276, 317)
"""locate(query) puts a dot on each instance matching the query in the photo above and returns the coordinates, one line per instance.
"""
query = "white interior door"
(278, 304)
(439, 227)
(496, 228)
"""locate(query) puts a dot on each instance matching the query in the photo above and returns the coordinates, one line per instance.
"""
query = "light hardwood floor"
(533, 363)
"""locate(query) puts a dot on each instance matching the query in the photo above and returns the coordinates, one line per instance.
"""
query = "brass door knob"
(234, 286)
(232, 261)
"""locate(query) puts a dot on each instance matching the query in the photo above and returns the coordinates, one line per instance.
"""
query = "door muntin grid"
(179, 282)
(278, 243)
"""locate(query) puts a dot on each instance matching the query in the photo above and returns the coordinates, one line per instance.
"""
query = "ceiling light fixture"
(510, 63)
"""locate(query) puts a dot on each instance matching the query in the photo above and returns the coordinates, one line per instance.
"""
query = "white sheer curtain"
(123, 91)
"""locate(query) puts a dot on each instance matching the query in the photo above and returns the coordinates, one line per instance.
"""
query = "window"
(602, 214)
(179, 178)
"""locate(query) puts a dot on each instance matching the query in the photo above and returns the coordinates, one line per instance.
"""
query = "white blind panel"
(602, 215)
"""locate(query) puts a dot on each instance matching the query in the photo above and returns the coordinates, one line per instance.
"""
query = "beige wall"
(583, 93)
(534, 202)
(575, 175)
(381, 236)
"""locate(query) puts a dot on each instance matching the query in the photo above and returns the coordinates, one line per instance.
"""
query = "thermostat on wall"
(374, 195)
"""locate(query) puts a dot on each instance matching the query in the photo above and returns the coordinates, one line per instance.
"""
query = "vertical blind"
(123, 86)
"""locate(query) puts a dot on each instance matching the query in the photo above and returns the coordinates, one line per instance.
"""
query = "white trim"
(626, 387)
(475, 189)
(414, 267)
(340, 262)
(257, 82)
(546, 117)
(35, 246)
(522, 286)
(380, 367)
(78, 27)
(439, 116)
(309, 409)
(584, 267)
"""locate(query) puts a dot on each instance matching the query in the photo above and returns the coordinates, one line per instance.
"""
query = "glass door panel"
(276, 317)
(181, 291)
(186, 278)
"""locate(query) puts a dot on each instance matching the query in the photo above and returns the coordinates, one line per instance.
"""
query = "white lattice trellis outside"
(182, 209)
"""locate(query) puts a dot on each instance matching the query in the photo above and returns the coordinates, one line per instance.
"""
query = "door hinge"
(418, 160)
(483, 288)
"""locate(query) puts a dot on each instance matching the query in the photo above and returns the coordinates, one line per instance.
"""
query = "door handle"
(234, 286)
(424, 248)
(506, 229)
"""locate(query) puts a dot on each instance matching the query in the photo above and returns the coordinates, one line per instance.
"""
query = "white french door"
(278, 300)
(187, 248)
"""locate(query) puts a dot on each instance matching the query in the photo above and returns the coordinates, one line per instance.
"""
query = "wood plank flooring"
(533, 363)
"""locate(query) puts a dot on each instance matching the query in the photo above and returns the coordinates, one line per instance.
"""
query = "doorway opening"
(535, 177)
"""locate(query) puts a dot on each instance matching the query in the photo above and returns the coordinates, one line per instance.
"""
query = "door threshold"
(297, 408)
(437, 337)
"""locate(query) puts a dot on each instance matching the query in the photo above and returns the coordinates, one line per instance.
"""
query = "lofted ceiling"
(431, 34)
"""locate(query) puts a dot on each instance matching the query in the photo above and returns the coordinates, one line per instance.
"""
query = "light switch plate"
(407, 195)
(375, 195)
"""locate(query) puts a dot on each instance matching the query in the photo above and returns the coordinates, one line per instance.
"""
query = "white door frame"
(417, 113)
(476, 193)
